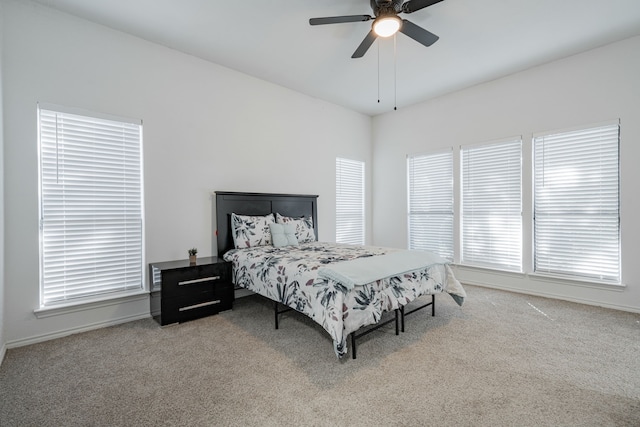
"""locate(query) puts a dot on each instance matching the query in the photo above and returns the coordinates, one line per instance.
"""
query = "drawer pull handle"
(204, 304)
(204, 279)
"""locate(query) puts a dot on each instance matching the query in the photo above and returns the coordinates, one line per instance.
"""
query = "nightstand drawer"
(198, 311)
(195, 286)
(194, 279)
(202, 291)
(198, 305)
(192, 302)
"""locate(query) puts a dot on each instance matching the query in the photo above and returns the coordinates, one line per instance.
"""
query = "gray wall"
(2, 321)
(206, 128)
(592, 87)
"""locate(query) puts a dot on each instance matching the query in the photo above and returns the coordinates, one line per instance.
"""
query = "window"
(431, 203)
(90, 206)
(576, 203)
(349, 201)
(492, 205)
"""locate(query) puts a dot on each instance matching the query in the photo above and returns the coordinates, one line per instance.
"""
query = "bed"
(271, 241)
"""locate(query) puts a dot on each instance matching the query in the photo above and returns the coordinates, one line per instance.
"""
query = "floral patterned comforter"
(289, 275)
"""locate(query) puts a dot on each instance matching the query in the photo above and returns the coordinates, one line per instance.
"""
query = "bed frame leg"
(433, 305)
(353, 345)
(275, 311)
(403, 314)
(397, 326)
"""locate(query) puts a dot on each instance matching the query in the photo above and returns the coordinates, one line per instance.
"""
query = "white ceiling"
(480, 40)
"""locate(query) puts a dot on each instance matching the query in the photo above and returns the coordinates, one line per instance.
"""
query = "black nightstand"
(181, 291)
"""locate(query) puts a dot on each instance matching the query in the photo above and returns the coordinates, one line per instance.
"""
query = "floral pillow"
(249, 231)
(303, 227)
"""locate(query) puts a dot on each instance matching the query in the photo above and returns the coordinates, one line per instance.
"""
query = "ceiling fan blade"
(417, 33)
(339, 19)
(414, 5)
(365, 45)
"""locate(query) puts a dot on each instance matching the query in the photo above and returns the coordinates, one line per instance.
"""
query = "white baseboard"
(67, 332)
(3, 351)
(555, 296)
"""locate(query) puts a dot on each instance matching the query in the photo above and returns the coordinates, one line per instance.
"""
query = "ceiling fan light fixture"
(386, 26)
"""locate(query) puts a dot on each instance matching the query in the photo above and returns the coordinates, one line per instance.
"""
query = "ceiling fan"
(386, 22)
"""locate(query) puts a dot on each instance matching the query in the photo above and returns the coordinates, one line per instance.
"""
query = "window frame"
(445, 246)
(353, 212)
(511, 259)
(46, 301)
(568, 274)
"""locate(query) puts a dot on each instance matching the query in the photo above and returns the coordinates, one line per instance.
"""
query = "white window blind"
(492, 205)
(576, 203)
(91, 207)
(349, 201)
(431, 203)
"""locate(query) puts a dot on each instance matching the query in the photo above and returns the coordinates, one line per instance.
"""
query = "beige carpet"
(503, 359)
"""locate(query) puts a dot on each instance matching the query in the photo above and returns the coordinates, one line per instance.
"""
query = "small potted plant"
(192, 256)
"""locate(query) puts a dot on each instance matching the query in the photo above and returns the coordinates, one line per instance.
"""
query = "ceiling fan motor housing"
(386, 7)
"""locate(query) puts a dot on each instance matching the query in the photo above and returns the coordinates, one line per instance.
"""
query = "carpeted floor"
(503, 359)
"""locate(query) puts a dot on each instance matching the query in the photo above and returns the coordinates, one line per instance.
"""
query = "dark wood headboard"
(293, 205)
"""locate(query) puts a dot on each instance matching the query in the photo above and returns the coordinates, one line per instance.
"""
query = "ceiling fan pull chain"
(395, 73)
(378, 73)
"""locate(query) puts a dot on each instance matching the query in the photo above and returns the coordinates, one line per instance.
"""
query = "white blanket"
(360, 271)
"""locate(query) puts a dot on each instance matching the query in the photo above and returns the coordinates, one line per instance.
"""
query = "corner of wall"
(2, 308)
